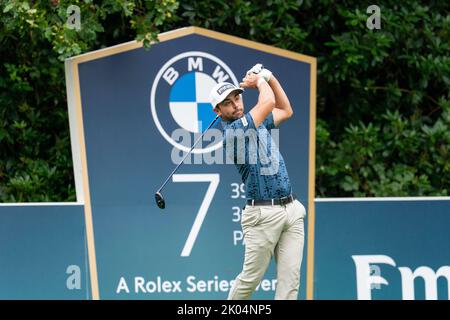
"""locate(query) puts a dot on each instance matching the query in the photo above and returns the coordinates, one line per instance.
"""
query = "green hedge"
(383, 95)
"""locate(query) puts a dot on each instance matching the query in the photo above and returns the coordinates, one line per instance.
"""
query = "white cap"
(220, 91)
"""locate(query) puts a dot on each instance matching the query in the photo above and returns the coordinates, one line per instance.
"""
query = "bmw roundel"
(180, 95)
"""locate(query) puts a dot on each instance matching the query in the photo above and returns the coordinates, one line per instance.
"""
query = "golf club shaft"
(181, 162)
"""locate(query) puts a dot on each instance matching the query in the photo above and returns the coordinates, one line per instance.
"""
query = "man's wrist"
(260, 81)
(266, 74)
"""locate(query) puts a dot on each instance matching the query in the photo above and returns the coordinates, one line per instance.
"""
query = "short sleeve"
(269, 122)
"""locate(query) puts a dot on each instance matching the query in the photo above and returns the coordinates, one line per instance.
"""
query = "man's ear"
(217, 110)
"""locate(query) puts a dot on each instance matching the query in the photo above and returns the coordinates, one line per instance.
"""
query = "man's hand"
(266, 98)
(283, 109)
(259, 69)
(251, 80)
(255, 69)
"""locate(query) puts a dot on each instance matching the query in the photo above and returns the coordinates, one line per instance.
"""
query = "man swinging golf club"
(272, 220)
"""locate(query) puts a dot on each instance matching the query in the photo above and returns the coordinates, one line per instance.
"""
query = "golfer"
(272, 220)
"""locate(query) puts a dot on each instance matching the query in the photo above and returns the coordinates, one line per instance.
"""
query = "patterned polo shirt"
(256, 157)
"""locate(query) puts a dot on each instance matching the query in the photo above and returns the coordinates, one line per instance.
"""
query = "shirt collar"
(224, 123)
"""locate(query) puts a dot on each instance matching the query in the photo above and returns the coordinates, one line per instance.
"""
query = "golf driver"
(158, 195)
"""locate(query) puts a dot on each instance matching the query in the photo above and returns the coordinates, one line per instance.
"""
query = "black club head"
(160, 200)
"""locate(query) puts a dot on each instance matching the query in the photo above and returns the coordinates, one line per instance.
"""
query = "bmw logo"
(180, 95)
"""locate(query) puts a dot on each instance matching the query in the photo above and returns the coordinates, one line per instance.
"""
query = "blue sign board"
(134, 114)
(382, 249)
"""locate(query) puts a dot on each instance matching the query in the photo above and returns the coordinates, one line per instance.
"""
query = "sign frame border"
(78, 144)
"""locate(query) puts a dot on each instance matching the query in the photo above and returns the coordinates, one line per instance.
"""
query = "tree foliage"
(383, 95)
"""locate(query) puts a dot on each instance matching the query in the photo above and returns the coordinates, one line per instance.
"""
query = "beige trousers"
(271, 231)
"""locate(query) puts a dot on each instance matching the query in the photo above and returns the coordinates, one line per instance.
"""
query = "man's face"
(232, 107)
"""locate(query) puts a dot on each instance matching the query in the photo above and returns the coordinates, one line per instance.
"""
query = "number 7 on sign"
(214, 179)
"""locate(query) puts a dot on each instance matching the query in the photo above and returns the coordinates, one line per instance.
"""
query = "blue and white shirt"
(256, 157)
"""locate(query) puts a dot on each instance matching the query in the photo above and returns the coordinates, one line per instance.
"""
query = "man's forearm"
(281, 99)
(265, 105)
(266, 95)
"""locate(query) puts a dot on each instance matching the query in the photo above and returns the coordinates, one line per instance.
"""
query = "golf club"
(158, 195)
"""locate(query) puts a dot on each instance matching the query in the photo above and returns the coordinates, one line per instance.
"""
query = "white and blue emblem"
(180, 95)
(189, 103)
